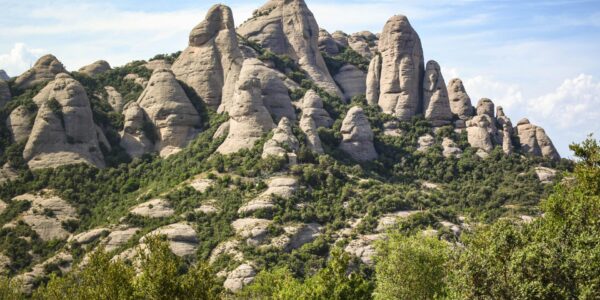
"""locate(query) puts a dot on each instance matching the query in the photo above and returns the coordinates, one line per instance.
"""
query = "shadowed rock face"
(351, 80)
(44, 69)
(283, 140)
(64, 131)
(19, 123)
(402, 69)
(357, 136)
(312, 106)
(435, 96)
(4, 93)
(250, 119)
(535, 141)
(210, 65)
(327, 44)
(174, 118)
(485, 106)
(95, 68)
(289, 28)
(460, 103)
(133, 137)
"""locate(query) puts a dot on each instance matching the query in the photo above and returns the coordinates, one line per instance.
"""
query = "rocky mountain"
(265, 144)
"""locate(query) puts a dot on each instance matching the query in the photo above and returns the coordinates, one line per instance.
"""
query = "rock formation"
(460, 103)
(289, 28)
(155, 208)
(44, 69)
(351, 80)
(181, 237)
(240, 277)
(166, 105)
(114, 98)
(373, 79)
(133, 136)
(4, 76)
(157, 64)
(340, 38)
(250, 119)
(64, 131)
(95, 68)
(211, 63)
(327, 44)
(312, 106)
(4, 93)
(534, 140)
(357, 136)
(480, 132)
(507, 145)
(363, 43)
(402, 69)
(309, 127)
(283, 140)
(485, 106)
(435, 96)
(137, 79)
(20, 123)
(274, 90)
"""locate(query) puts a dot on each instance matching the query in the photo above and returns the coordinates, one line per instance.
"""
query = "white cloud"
(573, 104)
(19, 58)
(507, 95)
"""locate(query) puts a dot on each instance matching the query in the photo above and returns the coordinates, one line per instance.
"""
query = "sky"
(537, 59)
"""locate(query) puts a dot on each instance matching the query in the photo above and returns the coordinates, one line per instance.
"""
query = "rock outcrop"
(64, 131)
(283, 140)
(4, 93)
(436, 104)
(114, 98)
(250, 119)
(182, 238)
(155, 208)
(4, 76)
(20, 123)
(242, 275)
(357, 136)
(485, 106)
(351, 80)
(283, 187)
(157, 64)
(210, 65)
(507, 144)
(534, 140)
(363, 43)
(252, 229)
(133, 136)
(46, 215)
(460, 103)
(373, 79)
(480, 132)
(95, 68)
(137, 79)
(44, 69)
(327, 44)
(312, 107)
(174, 118)
(402, 69)
(340, 38)
(274, 90)
(289, 28)
(309, 127)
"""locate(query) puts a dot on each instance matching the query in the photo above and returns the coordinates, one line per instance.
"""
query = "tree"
(411, 267)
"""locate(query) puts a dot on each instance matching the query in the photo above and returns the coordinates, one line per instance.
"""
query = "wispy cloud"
(19, 58)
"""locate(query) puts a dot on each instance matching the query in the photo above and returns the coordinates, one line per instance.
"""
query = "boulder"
(4, 93)
(283, 187)
(480, 132)
(44, 69)
(95, 68)
(242, 275)
(340, 38)
(309, 127)
(250, 119)
(20, 123)
(64, 131)
(450, 148)
(155, 208)
(373, 80)
(172, 114)
(363, 43)
(283, 140)
(133, 137)
(485, 106)
(534, 140)
(222, 131)
(312, 107)
(252, 229)
(327, 44)
(460, 103)
(89, 236)
(157, 64)
(436, 104)
(289, 28)
(357, 136)
(351, 80)
(545, 175)
(118, 238)
(230, 248)
(425, 142)
(114, 98)
(402, 69)
(7, 172)
(181, 237)
(274, 90)
(363, 247)
(210, 65)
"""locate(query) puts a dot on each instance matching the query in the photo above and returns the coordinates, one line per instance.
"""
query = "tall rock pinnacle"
(210, 65)
(402, 69)
(436, 105)
(288, 27)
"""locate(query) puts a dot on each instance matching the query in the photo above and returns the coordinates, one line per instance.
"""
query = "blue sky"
(538, 59)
